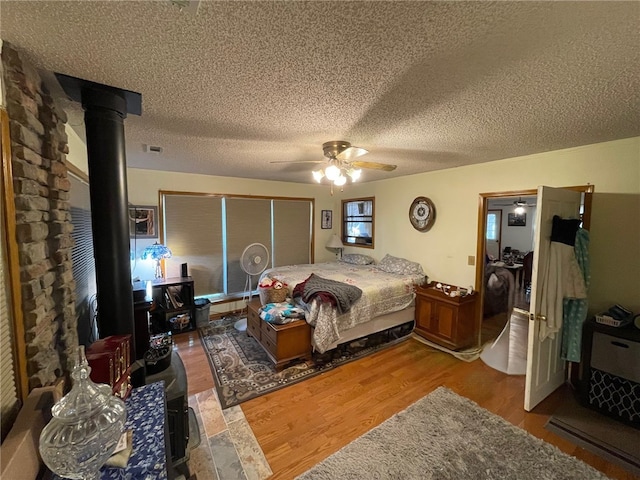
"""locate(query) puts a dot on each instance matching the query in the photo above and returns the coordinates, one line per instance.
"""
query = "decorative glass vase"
(86, 426)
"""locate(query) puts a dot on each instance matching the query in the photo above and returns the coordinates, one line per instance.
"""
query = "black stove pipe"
(105, 110)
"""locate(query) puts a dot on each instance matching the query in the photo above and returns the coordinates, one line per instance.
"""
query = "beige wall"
(77, 150)
(612, 167)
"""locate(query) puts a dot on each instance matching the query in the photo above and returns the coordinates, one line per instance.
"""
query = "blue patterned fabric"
(575, 309)
(281, 313)
(146, 417)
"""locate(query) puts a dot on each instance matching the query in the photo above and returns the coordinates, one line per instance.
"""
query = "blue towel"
(280, 313)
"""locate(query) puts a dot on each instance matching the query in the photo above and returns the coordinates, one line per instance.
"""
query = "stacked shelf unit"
(173, 307)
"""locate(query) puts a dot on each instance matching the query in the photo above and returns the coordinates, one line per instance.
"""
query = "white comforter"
(382, 293)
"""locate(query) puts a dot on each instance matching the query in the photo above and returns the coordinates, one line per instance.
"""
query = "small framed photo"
(143, 221)
(327, 219)
(517, 219)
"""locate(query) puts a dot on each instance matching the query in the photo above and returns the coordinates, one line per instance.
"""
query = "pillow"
(357, 259)
(401, 266)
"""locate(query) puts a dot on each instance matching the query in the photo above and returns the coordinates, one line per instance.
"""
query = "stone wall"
(43, 219)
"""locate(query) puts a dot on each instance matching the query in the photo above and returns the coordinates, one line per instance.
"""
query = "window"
(209, 233)
(9, 400)
(357, 221)
(492, 226)
(84, 267)
(13, 379)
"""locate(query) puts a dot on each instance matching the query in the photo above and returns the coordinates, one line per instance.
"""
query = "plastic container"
(203, 305)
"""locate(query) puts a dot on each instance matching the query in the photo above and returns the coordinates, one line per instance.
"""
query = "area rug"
(242, 370)
(619, 443)
(446, 436)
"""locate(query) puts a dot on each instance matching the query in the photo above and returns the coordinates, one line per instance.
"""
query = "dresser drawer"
(270, 345)
(269, 331)
(253, 324)
(615, 355)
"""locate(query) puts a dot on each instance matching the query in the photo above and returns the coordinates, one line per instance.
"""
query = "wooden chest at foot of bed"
(283, 343)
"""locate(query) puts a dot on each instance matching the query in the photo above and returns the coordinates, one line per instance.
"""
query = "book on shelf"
(168, 301)
(174, 296)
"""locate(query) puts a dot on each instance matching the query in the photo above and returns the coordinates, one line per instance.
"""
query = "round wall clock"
(422, 214)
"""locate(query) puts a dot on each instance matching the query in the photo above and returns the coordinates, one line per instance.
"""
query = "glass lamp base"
(158, 270)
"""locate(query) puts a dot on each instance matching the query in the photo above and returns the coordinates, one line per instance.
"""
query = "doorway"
(517, 211)
(508, 229)
(545, 369)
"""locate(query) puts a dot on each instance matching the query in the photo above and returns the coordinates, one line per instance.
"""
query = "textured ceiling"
(423, 85)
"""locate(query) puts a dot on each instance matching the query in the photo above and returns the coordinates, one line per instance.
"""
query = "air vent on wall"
(151, 148)
(190, 6)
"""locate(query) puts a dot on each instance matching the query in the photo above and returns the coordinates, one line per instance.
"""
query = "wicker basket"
(273, 295)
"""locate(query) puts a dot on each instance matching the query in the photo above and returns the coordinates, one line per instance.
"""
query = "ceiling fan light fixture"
(341, 180)
(318, 175)
(519, 210)
(332, 172)
(355, 174)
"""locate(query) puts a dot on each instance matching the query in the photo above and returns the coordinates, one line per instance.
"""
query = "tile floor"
(228, 449)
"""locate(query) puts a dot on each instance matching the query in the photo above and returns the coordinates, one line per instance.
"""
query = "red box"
(110, 361)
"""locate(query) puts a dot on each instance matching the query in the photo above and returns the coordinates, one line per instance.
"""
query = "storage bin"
(202, 306)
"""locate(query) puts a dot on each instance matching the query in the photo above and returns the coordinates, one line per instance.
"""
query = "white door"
(492, 235)
(545, 368)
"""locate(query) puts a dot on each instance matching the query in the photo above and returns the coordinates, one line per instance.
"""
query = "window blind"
(291, 232)
(9, 402)
(248, 221)
(210, 232)
(193, 232)
(84, 268)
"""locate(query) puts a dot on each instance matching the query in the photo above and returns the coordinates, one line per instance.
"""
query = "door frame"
(483, 208)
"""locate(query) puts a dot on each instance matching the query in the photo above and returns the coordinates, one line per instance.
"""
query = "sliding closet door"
(193, 233)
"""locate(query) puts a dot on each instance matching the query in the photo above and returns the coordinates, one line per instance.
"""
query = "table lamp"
(156, 252)
(335, 242)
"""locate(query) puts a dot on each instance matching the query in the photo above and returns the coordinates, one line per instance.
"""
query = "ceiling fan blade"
(350, 153)
(374, 166)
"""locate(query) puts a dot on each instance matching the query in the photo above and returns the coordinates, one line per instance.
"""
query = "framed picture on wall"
(143, 221)
(327, 219)
(517, 219)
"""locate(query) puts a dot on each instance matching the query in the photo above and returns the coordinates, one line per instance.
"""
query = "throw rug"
(242, 370)
(446, 436)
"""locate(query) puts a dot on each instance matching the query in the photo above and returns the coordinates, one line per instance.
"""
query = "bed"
(387, 300)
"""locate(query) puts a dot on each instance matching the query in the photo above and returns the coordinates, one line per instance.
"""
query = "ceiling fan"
(342, 164)
(520, 203)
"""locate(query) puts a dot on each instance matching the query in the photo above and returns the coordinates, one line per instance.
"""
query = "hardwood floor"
(302, 424)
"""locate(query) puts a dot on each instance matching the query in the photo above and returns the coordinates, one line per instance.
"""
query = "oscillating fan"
(253, 261)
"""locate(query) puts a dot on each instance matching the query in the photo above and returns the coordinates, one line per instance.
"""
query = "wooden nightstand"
(282, 343)
(447, 321)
